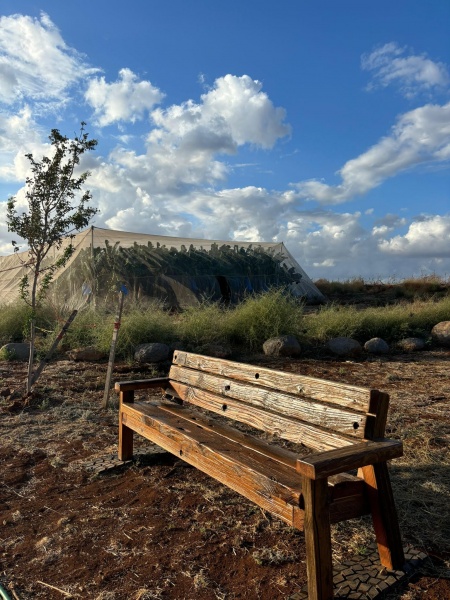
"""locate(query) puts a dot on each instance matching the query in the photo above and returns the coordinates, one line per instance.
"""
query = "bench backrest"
(320, 414)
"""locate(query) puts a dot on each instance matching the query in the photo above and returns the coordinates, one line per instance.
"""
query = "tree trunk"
(31, 358)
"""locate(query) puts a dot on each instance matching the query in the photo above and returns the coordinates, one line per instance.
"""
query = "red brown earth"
(161, 529)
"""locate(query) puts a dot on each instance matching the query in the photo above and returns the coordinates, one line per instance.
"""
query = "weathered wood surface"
(324, 415)
(259, 479)
(384, 515)
(318, 539)
(318, 389)
(141, 384)
(283, 426)
(329, 463)
(377, 417)
(125, 450)
(268, 469)
(346, 489)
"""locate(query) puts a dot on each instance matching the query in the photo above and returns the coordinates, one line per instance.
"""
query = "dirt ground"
(161, 529)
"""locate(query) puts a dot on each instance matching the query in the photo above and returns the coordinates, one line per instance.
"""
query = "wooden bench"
(343, 425)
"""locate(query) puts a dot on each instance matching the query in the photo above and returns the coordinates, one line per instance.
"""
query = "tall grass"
(245, 326)
(388, 322)
(263, 316)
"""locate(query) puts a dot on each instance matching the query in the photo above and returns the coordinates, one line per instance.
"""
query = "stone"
(344, 346)
(283, 345)
(441, 333)
(88, 354)
(16, 351)
(376, 346)
(411, 344)
(151, 353)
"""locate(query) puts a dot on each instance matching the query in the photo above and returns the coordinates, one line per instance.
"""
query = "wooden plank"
(318, 539)
(376, 420)
(141, 384)
(286, 475)
(282, 455)
(347, 492)
(384, 516)
(125, 449)
(326, 416)
(317, 389)
(318, 466)
(290, 429)
(240, 472)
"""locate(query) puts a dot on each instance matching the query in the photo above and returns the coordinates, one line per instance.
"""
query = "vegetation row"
(245, 326)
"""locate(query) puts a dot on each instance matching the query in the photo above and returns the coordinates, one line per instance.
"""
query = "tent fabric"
(178, 271)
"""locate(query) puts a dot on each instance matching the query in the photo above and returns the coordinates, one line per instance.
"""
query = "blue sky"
(325, 125)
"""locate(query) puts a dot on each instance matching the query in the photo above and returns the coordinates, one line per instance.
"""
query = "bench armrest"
(141, 384)
(332, 462)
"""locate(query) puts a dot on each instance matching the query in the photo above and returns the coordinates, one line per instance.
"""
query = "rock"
(344, 346)
(376, 346)
(441, 333)
(16, 351)
(151, 353)
(283, 345)
(411, 344)
(88, 354)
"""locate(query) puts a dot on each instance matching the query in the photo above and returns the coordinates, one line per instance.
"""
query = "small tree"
(57, 207)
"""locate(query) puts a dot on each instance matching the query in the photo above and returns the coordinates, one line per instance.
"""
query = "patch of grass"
(263, 316)
(388, 322)
(203, 324)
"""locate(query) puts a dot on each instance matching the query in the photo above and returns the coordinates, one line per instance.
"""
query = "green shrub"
(263, 316)
(13, 318)
(202, 324)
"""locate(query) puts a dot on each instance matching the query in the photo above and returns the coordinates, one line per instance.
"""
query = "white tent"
(179, 271)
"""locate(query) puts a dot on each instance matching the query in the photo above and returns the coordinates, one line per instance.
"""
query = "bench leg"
(318, 539)
(125, 450)
(384, 515)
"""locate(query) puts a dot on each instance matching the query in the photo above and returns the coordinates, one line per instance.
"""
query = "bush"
(263, 316)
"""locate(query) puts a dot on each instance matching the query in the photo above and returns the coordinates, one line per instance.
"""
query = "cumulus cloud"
(35, 62)
(426, 236)
(127, 99)
(19, 134)
(420, 136)
(185, 144)
(413, 74)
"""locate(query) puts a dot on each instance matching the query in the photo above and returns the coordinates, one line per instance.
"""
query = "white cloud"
(426, 237)
(420, 136)
(249, 113)
(413, 74)
(19, 134)
(35, 62)
(127, 99)
(184, 146)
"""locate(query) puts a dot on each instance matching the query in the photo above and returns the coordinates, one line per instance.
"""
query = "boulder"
(441, 333)
(283, 345)
(151, 353)
(411, 344)
(88, 354)
(16, 351)
(376, 346)
(344, 346)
